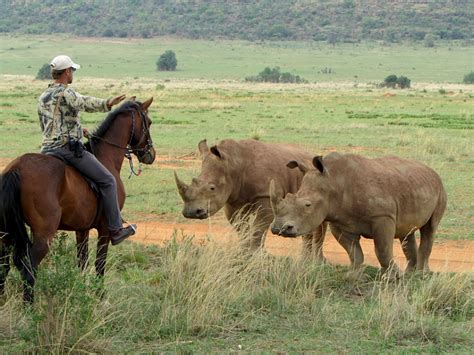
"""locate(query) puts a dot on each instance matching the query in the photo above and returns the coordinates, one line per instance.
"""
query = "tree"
(403, 82)
(390, 81)
(429, 40)
(167, 61)
(44, 73)
(469, 78)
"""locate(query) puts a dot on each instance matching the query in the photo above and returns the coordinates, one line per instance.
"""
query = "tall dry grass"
(153, 296)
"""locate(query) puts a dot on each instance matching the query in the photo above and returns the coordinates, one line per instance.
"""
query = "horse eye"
(212, 188)
(308, 204)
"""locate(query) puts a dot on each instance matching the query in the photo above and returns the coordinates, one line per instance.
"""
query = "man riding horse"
(58, 110)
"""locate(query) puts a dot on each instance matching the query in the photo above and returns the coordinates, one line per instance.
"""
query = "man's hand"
(114, 100)
(86, 133)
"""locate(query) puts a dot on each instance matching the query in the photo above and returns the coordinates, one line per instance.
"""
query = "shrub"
(167, 61)
(429, 40)
(274, 75)
(403, 82)
(469, 78)
(44, 73)
(392, 81)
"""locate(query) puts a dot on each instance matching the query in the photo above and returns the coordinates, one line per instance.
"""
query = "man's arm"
(89, 103)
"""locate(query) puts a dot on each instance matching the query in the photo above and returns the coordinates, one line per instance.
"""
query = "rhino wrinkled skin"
(381, 199)
(235, 175)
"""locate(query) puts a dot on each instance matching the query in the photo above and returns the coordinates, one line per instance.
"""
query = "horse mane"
(103, 127)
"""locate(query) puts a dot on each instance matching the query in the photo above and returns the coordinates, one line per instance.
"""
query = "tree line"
(319, 20)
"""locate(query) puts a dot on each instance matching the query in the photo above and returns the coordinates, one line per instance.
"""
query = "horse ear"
(147, 103)
(202, 146)
(132, 98)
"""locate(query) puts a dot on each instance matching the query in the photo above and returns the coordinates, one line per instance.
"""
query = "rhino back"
(258, 163)
(405, 190)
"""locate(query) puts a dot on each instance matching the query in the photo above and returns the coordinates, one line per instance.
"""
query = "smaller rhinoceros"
(382, 199)
(236, 175)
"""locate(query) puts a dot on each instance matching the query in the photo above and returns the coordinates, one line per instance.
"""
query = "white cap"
(62, 62)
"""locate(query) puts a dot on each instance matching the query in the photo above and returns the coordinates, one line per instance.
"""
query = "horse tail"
(12, 222)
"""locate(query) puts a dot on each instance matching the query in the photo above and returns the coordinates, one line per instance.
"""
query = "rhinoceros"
(382, 199)
(235, 176)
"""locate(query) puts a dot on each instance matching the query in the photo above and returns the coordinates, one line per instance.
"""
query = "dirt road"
(447, 255)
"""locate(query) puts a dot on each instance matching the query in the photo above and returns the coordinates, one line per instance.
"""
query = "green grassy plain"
(184, 297)
(220, 59)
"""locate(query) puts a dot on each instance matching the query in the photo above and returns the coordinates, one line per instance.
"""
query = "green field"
(187, 298)
(446, 63)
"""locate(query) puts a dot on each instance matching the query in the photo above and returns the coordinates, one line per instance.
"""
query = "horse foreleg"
(102, 249)
(82, 245)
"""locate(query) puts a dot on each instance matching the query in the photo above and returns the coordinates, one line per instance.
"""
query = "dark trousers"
(89, 166)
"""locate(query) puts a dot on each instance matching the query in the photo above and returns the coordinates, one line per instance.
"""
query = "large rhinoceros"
(382, 199)
(236, 175)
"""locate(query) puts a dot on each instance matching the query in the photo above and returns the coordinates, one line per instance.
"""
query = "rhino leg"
(426, 244)
(313, 244)
(383, 240)
(251, 222)
(409, 249)
(351, 243)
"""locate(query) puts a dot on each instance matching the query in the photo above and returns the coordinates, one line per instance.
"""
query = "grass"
(187, 297)
(190, 297)
(414, 124)
(221, 59)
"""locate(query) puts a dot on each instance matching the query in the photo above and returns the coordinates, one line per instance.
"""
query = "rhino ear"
(202, 146)
(318, 163)
(216, 152)
(294, 164)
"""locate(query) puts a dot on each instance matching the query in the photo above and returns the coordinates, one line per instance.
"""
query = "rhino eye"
(212, 188)
(308, 204)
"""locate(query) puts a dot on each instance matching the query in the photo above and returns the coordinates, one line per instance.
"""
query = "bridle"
(129, 148)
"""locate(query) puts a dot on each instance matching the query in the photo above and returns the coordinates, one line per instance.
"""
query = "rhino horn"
(182, 187)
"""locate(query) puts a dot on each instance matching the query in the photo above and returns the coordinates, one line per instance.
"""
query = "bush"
(167, 61)
(469, 78)
(429, 40)
(44, 73)
(392, 81)
(274, 75)
(403, 82)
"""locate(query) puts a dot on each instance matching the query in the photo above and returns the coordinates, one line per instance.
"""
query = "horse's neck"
(112, 156)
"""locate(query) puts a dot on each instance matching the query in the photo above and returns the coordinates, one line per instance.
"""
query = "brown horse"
(49, 195)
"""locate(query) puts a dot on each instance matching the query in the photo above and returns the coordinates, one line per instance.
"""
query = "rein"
(128, 148)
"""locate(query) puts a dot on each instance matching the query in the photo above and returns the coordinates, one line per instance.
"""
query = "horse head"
(141, 143)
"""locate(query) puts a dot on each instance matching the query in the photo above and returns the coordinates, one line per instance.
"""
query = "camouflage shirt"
(60, 124)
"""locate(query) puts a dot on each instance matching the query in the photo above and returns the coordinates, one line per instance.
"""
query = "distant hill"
(320, 20)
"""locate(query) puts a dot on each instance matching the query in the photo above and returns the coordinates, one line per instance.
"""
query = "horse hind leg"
(82, 246)
(4, 266)
(35, 255)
